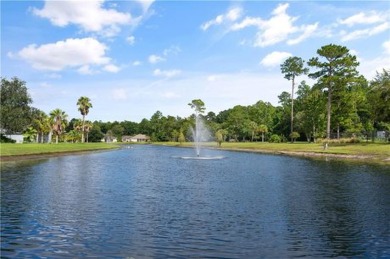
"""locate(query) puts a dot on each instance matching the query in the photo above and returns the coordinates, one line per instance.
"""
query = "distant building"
(109, 139)
(381, 134)
(136, 138)
(17, 137)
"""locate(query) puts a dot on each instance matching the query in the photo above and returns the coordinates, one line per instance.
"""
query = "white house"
(136, 138)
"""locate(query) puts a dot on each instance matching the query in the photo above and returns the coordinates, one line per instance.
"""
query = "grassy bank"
(8, 150)
(373, 152)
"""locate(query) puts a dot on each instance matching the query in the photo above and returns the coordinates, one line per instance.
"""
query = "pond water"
(146, 202)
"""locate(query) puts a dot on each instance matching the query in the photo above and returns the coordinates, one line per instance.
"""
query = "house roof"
(140, 136)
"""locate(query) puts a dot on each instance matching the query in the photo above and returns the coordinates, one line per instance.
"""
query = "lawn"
(373, 151)
(379, 152)
(8, 149)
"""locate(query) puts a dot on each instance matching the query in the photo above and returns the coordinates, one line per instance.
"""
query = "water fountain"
(200, 133)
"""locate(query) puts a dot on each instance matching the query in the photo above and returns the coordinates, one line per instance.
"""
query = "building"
(136, 138)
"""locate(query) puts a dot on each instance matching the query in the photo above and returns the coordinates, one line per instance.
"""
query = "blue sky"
(132, 58)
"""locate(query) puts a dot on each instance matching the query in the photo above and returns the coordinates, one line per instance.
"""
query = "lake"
(144, 201)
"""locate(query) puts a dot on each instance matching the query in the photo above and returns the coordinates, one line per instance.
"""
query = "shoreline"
(357, 158)
(364, 158)
(13, 158)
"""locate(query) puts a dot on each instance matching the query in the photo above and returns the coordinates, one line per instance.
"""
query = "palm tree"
(59, 121)
(253, 126)
(41, 123)
(87, 127)
(30, 134)
(262, 129)
(84, 104)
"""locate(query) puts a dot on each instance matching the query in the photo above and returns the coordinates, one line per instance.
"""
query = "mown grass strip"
(373, 151)
(9, 150)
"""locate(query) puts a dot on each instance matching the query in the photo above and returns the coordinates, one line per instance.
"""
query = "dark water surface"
(144, 202)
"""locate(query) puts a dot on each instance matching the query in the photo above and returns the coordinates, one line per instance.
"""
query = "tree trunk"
(83, 130)
(292, 106)
(328, 111)
(262, 137)
(338, 132)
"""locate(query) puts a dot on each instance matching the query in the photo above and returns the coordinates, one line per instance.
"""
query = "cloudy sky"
(132, 58)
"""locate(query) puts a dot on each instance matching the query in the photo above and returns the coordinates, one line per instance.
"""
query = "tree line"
(340, 103)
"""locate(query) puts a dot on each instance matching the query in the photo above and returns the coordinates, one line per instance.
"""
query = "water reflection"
(143, 203)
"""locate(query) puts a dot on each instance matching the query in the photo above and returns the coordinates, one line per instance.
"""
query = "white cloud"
(90, 15)
(145, 4)
(130, 40)
(275, 58)
(85, 70)
(364, 25)
(231, 16)
(212, 78)
(119, 94)
(64, 54)
(173, 50)
(369, 67)
(137, 63)
(248, 21)
(363, 33)
(111, 68)
(153, 59)
(308, 30)
(386, 46)
(170, 95)
(363, 18)
(278, 28)
(166, 73)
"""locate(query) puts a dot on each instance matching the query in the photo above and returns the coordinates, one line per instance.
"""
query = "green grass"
(374, 151)
(8, 149)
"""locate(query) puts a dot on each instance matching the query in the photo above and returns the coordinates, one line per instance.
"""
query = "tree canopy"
(15, 110)
(339, 103)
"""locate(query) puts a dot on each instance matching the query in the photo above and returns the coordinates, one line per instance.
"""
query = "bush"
(294, 135)
(4, 139)
(275, 139)
(340, 141)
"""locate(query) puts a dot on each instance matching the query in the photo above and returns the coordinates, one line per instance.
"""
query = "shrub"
(294, 135)
(275, 139)
(4, 139)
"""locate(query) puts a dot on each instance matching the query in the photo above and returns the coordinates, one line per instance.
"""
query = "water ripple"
(145, 203)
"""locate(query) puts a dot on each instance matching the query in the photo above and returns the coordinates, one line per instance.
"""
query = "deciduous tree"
(15, 106)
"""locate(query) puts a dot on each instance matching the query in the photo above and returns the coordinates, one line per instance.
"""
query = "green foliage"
(84, 104)
(59, 119)
(5, 139)
(335, 73)
(379, 97)
(294, 135)
(339, 101)
(96, 134)
(181, 137)
(275, 139)
(30, 134)
(198, 106)
(15, 110)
